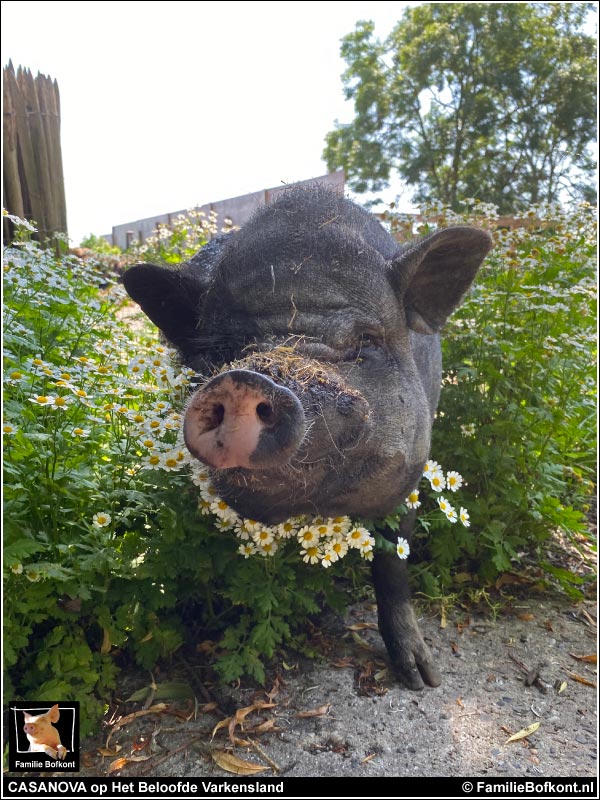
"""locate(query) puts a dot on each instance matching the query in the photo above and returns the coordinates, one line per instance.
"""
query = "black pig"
(321, 333)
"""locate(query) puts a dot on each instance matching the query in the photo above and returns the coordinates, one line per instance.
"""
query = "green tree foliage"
(488, 100)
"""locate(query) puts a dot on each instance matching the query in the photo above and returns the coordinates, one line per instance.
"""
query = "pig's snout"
(243, 419)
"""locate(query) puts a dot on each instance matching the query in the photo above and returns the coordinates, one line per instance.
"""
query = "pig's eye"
(365, 346)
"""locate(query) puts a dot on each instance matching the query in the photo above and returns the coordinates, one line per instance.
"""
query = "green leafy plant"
(107, 546)
(99, 245)
(517, 409)
(179, 241)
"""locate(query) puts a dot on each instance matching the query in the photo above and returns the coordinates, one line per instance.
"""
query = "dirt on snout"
(342, 715)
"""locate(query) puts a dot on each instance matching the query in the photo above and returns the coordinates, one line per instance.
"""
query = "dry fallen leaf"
(526, 617)
(156, 709)
(362, 626)
(237, 719)
(207, 646)
(264, 727)
(590, 620)
(105, 648)
(509, 577)
(523, 733)
(360, 641)
(343, 663)
(580, 679)
(368, 758)
(140, 743)
(274, 690)
(231, 763)
(119, 763)
(591, 659)
(443, 618)
(110, 752)
(316, 712)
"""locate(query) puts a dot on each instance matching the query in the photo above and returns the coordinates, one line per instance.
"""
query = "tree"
(489, 100)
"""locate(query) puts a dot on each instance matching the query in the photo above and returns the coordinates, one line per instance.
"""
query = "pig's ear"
(54, 713)
(169, 297)
(432, 275)
(27, 717)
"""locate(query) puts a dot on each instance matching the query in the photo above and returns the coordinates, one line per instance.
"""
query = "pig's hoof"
(414, 666)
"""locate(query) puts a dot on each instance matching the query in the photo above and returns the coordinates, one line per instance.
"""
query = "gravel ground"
(363, 724)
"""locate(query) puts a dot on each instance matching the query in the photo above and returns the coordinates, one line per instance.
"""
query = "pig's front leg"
(49, 750)
(410, 656)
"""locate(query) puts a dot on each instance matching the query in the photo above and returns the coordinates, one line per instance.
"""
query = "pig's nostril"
(265, 413)
(218, 415)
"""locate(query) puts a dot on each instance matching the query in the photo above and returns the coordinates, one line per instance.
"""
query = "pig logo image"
(43, 736)
(320, 335)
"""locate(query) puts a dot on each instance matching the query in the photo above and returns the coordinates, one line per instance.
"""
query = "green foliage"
(99, 245)
(104, 545)
(493, 100)
(107, 546)
(517, 409)
(180, 240)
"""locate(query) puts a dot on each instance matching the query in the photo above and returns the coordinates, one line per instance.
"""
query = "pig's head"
(39, 726)
(320, 335)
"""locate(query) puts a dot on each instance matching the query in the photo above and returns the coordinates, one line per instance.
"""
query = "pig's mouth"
(373, 488)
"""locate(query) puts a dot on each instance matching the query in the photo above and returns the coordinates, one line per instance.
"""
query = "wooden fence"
(34, 185)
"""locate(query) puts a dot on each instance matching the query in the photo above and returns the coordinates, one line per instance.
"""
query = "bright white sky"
(169, 105)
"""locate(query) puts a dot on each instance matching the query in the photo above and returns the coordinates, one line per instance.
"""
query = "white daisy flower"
(412, 501)
(454, 481)
(101, 519)
(402, 548)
